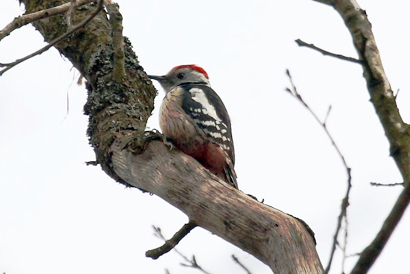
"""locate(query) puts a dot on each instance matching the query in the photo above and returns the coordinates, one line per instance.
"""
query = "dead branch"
(25, 19)
(171, 243)
(345, 202)
(194, 264)
(384, 102)
(325, 52)
(54, 42)
(379, 184)
(236, 260)
(191, 262)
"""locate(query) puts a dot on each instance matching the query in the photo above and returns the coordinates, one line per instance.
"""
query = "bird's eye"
(181, 75)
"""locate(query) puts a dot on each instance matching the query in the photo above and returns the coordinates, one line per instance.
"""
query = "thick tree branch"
(272, 236)
(118, 110)
(383, 99)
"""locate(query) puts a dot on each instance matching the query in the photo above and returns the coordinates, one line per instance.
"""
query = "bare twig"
(345, 202)
(23, 20)
(327, 114)
(379, 184)
(397, 94)
(191, 262)
(344, 247)
(354, 255)
(342, 215)
(194, 264)
(384, 102)
(54, 42)
(240, 264)
(171, 243)
(91, 163)
(325, 52)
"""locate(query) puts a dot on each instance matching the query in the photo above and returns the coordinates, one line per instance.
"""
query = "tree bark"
(118, 111)
(277, 239)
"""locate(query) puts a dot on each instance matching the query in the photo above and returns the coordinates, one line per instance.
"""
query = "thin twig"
(325, 52)
(171, 243)
(354, 255)
(397, 94)
(345, 202)
(191, 262)
(54, 42)
(327, 115)
(379, 184)
(91, 163)
(344, 247)
(387, 111)
(194, 264)
(342, 215)
(240, 264)
(25, 19)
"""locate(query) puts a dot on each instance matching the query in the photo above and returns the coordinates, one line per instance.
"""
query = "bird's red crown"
(194, 67)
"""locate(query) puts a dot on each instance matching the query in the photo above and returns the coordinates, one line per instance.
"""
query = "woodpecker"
(194, 119)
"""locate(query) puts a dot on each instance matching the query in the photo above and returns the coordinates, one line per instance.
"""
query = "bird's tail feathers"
(230, 174)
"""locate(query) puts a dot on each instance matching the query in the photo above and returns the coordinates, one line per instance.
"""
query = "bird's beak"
(158, 78)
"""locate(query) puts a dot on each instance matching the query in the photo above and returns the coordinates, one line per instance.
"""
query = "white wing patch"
(219, 135)
(206, 123)
(199, 96)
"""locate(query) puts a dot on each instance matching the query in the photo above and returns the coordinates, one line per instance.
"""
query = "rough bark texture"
(118, 111)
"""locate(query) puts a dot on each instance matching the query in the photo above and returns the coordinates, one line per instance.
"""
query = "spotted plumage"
(194, 118)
